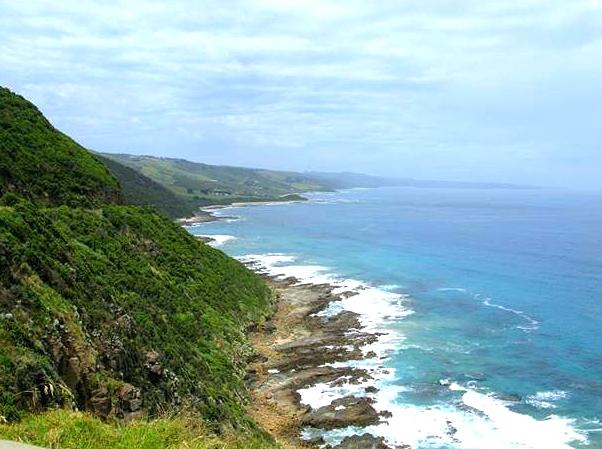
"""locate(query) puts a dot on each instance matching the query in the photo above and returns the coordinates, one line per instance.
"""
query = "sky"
(472, 90)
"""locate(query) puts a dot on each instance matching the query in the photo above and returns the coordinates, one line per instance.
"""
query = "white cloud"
(434, 80)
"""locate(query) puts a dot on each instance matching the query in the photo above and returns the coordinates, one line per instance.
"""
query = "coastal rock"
(269, 326)
(100, 401)
(153, 365)
(316, 441)
(365, 441)
(329, 345)
(299, 352)
(199, 217)
(130, 402)
(204, 238)
(344, 321)
(73, 371)
(343, 412)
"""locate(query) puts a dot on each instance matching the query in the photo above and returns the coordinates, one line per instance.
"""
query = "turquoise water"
(506, 292)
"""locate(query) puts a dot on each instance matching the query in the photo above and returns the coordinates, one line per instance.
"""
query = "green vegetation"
(139, 190)
(43, 164)
(213, 184)
(111, 309)
(120, 290)
(72, 430)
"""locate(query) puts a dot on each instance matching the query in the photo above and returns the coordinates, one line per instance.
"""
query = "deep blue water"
(505, 285)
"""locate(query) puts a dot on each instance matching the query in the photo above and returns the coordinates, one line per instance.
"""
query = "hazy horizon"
(459, 91)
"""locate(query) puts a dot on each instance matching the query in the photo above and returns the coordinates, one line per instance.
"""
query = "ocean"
(491, 301)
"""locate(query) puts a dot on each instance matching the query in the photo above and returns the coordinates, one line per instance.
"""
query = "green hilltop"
(110, 308)
(205, 184)
(42, 164)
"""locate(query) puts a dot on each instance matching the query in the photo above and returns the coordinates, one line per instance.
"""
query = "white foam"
(274, 265)
(454, 386)
(532, 323)
(322, 394)
(592, 425)
(333, 309)
(374, 304)
(452, 289)
(516, 430)
(474, 421)
(218, 239)
(376, 307)
(546, 399)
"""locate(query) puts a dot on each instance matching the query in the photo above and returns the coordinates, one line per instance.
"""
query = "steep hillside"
(108, 308)
(140, 190)
(213, 184)
(116, 311)
(43, 164)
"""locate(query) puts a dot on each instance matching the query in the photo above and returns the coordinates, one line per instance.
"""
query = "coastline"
(312, 347)
(301, 392)
(203, 216)
(207, 214)
(313, 384)
(301, 347)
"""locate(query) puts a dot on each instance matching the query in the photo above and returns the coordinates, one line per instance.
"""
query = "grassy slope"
(107, 287)
(109, 308)
(211, 184)
(140, 190)
(74, 430)
(41, 163)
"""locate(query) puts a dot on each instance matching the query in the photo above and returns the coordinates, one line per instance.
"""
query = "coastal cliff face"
(104, 307)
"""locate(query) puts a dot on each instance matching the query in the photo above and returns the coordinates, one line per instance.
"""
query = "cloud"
(392, 87)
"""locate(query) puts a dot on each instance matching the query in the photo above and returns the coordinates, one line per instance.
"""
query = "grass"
(140, 190)
(109, 286)
(213, 184)
(62, 429)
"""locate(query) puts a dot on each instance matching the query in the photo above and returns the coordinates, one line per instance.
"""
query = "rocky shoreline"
(296, 349)
(299, 348)
(206, 215)
(203, 216)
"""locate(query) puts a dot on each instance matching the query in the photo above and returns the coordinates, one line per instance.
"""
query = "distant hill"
(214, 184)
(203, 184)
(346, 180)
(140, 190)
(42, 164)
